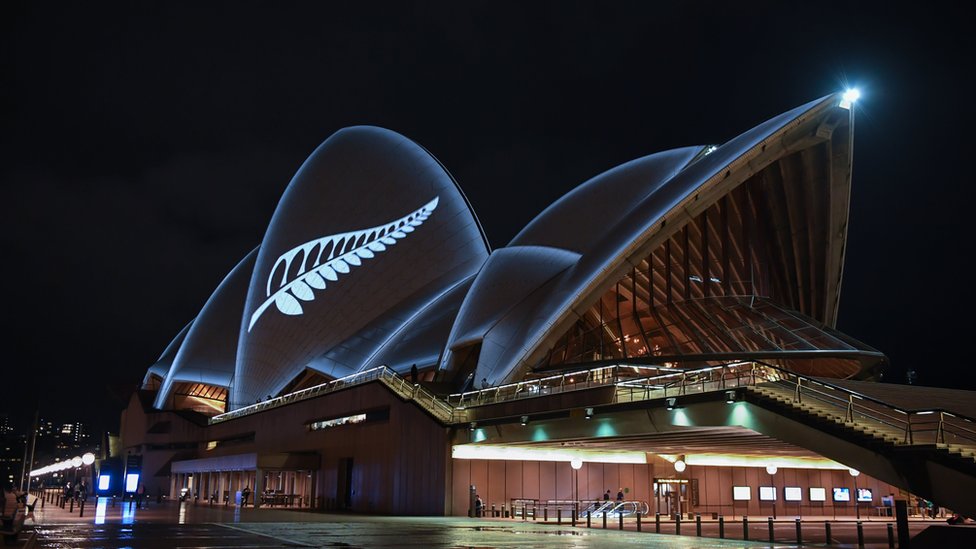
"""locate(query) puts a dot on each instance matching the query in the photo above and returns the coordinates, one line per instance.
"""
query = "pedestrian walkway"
(103, 524)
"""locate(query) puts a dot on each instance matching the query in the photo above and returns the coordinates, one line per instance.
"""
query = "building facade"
(372, 353)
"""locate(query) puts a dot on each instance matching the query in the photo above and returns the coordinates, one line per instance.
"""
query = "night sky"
(145, 145)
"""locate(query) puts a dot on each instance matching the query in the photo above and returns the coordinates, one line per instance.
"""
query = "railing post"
(796, 393)
(850, 409)
(909, 439)
(940, 435)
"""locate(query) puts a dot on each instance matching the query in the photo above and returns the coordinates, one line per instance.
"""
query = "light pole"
(857, 500)
(771, 469)
(576, 463)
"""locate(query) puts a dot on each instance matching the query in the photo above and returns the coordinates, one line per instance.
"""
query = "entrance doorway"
(671, 496)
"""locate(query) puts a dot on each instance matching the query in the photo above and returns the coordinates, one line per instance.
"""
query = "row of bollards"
(698, 525)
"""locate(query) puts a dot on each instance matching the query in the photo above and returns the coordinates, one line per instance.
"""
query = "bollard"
(677, 524)
(535, 512)
(827, 532)
(588, 513)
(559, 515)
(891, 535)
(545, 514)
(493, 512)
(745, 528)
(721, 527)
(81, 509)
(604, 520)
(638, 521)
(621, 521)
(698, 524)
(860, 534)
(769, 522)
(113, 501)
(574, 516)
(71, 506)
(799, 532)
(657, 523)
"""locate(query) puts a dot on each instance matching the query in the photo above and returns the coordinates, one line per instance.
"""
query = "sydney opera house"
(666, 329)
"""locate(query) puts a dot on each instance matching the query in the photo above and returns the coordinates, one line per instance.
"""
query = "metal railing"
(633, 383)
(931, 426)
(574, 381)
(385, 375)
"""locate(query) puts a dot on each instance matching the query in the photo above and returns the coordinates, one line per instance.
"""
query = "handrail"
(383, 374)
(642, 382)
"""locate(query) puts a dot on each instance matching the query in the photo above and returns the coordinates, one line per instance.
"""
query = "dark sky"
(145, 145)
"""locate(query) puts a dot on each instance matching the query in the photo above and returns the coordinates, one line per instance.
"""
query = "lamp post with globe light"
(576, 463)
(771, 469)
(857, 500)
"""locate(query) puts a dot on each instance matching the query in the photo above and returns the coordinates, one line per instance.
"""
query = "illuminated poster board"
(767, 493)
(104, 482)
(842, 494)
(818, 494)
(864, 494)
(131, 482)
(793, 493)
(741, 493)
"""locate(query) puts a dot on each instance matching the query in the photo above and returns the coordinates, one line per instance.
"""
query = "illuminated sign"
(104, 481)
(767, 493)
(131, 482)
(301, 271)
(842, 494)
(864, 494)
(741, 493)
(792, 493)
(818, 494)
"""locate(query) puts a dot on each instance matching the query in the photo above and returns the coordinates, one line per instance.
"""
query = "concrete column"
(258, 486)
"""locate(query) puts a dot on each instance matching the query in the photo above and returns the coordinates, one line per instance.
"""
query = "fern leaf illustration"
(306, 269)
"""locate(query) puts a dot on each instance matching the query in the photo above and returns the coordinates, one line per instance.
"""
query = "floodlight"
(849, 97)
(672, 403)
(576, 463)
(524, 420)
(771, 469)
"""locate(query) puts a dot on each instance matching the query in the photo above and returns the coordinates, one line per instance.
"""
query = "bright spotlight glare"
(88, 458)
(849, 97)
(680, 466)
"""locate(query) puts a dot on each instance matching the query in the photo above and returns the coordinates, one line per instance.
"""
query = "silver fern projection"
(341, 252)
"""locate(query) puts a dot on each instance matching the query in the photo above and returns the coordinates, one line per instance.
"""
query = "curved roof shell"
(160, 368)
(370, 223)
(208, 352)
(619, 218)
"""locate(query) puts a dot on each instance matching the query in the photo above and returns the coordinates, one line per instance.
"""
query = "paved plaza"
(173, 525)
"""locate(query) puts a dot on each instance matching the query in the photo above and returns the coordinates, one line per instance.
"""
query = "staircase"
(931, 451)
